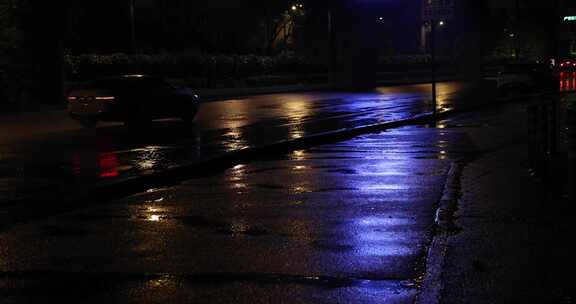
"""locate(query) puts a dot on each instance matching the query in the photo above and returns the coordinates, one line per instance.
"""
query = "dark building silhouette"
(515, 29)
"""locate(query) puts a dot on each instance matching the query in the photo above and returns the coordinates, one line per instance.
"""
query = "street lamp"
(297, 6)
(296, 11)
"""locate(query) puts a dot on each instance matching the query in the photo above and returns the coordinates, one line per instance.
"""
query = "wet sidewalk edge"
(432, 281)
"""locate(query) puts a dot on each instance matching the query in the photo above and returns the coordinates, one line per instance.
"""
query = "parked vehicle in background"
(133, 99)
(567, 65)
(526, 77)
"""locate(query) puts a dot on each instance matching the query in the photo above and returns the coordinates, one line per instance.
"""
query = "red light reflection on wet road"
(97, 161)
(567, 81)
(108, 164)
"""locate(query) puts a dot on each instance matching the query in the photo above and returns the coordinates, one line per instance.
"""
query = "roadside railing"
(543, 131)
(569, 99)
(552, 139)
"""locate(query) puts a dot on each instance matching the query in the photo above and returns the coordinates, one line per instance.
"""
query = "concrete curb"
(432, 284)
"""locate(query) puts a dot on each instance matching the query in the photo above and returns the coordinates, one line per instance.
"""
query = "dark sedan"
(133, 99)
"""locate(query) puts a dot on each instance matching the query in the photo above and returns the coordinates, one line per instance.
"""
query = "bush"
(216, 67)
(388, 63)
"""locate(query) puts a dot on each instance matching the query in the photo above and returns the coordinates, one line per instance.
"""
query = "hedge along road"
(34, 163)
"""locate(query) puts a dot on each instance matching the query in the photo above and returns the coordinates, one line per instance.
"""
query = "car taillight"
(105, 98)
(72, 98)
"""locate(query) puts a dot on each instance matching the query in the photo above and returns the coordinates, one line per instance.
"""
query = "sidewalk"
(513, 246)
(509, 241)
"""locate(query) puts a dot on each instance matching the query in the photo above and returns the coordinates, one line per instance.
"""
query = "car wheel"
(88, 123)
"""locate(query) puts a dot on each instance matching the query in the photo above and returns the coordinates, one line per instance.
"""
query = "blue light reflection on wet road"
(346, 222)
(221, 126)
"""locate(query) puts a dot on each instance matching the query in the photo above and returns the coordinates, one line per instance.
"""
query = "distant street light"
(297, 6)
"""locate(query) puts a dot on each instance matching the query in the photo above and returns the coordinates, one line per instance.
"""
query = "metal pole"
(433, 59)
(516, 32)
(133, 25)
(331, 48)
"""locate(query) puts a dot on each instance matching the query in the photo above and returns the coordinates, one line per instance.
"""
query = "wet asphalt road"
(348, 222)
(341, 223)
(46, 153)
